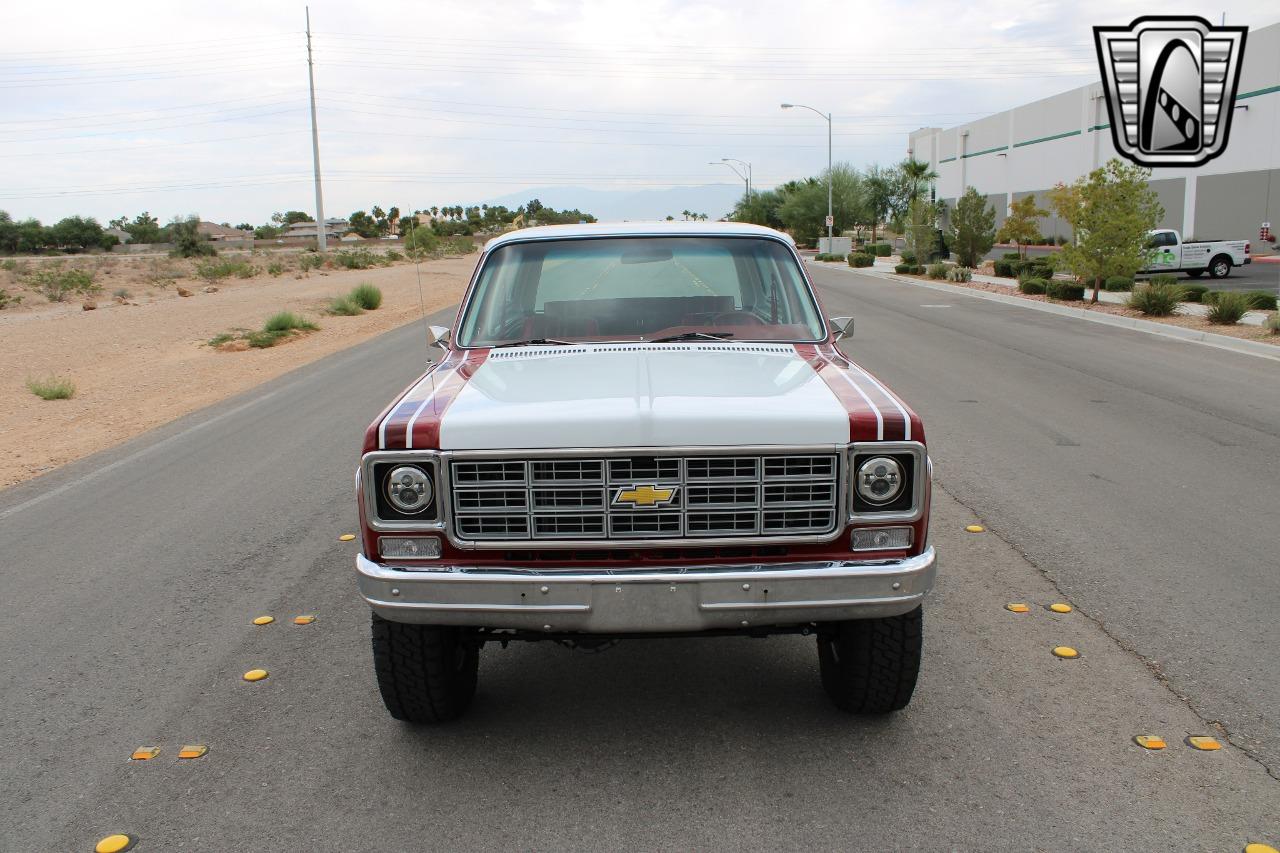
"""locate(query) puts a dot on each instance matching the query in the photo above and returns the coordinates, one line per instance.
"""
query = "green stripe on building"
(980, 153)
(946, 160)
(1047, 138)
(1254, 94)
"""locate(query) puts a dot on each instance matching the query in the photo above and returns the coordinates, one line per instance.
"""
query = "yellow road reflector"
(1204, 743)
(194, 750)
(975, 528)
(1017, 608)
(304, 619)
(346, 537)
(1066, 652)
(145, 753)
(1260, 848)
(114, 844)
(264, 620)
(1149, 741)
(255, 675)
(1061, 608)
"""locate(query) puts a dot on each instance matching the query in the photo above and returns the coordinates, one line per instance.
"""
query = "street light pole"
(724, 161)
(830, 177)
(315, 144)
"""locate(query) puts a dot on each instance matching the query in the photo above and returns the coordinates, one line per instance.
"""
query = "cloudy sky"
(176, 108)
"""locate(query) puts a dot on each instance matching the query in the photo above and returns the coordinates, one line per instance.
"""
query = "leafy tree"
(1022, 227)
(973, 227)
(760, 209)
(76, 233)
(267, 232)
(144, 228)
(290, 217)
(187, 240)
(804, 210)
(1110, 210)
(921, 229)
(363, 224)
(533, 207)
(910, 179)
(877, 192)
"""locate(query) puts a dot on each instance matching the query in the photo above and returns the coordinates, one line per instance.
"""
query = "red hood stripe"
(866, 420)
(415, 420)
(897, 417)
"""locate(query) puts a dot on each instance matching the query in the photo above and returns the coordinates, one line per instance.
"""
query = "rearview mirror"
(842, 327)
(438, 337)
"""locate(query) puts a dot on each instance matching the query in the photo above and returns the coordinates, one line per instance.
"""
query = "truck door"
(1166, 251)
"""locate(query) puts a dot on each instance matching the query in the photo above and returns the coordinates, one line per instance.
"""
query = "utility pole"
(321, 244)
(830, 176)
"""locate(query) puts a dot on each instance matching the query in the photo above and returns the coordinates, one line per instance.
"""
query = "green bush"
(262, 338)
(187, 240)
(343, 306)
(909, 269)
(215, 270)
(56, 283)
(1211, 296)
(880, 250)
(1193, 292)
(367, 297)
(1155, 300)
(393, 255)
(821, 256)
(1011, 256)
(960, 274)
(1261, 300)
(275, 268)
(1032, 268)
(1032, 286)
(936, 271)
(1118, 284)
(1067, 291)
(310, 261)
(358, 259)
(52, 388)
(908, 256)
(861, 259)
(1165, 279)
(1004, 269)
(287, 321)
(461, 245)
(1228, 308)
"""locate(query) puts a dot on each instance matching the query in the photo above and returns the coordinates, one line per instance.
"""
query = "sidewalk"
(1191, 309)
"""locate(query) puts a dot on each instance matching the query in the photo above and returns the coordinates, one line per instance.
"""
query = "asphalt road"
(1124, 473)
(1255, 276)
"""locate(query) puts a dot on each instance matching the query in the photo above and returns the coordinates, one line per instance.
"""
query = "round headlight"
(880, 480)
(409, 489)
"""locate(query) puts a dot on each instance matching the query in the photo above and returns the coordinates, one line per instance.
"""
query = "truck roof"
(638, 229)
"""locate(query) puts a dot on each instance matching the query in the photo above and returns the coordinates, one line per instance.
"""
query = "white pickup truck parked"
(1216, 257)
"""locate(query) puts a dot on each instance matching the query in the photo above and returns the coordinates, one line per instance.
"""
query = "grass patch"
(358, 259)
(1228, 308)
(1273, 324)
(57, 283)
(1156, 300)
(52, 388)
(6, 300)
(343, 306)
(287, 321)
(264, 338)
(1261, 300)
(216, 270)
(275, 268)
(308, 261)
(367, 297)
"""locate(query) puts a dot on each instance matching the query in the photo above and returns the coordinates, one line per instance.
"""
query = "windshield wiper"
(693, 336)
(534, 342)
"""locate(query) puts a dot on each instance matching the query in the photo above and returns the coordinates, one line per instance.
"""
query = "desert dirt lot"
(143, 360)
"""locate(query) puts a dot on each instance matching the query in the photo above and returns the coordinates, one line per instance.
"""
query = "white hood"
(643, 395)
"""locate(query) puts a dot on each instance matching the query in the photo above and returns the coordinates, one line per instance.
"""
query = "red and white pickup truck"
(643, 431)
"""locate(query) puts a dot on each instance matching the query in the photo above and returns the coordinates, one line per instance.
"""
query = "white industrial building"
(1031, 148)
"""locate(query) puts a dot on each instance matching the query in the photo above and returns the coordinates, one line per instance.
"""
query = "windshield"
(640, 288)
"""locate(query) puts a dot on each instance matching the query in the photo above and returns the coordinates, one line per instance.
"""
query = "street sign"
(831, 220)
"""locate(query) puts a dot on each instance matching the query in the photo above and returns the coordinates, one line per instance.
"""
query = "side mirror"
(842, 327)
(438, 337)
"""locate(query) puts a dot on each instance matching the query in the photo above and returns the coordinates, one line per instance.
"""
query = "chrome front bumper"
(604, 601)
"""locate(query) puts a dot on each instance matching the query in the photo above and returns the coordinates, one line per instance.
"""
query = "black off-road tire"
(1220, 267)
(426, 673)
(870, 666)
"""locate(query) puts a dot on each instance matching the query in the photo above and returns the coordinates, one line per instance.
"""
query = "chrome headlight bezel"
(379, 512)
(909, 505)
(409, 490)
(879, 472)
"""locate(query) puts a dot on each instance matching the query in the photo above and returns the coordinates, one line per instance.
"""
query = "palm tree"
(917, 176)
(686, 213)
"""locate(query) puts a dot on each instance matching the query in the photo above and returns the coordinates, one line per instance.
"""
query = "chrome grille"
(714, 496)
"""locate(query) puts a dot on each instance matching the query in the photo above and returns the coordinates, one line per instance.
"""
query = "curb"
(1194, 336)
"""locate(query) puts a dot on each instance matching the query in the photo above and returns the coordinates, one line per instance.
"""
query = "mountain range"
(715, 200)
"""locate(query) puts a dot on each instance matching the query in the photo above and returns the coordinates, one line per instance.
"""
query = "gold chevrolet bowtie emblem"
(645, 496)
